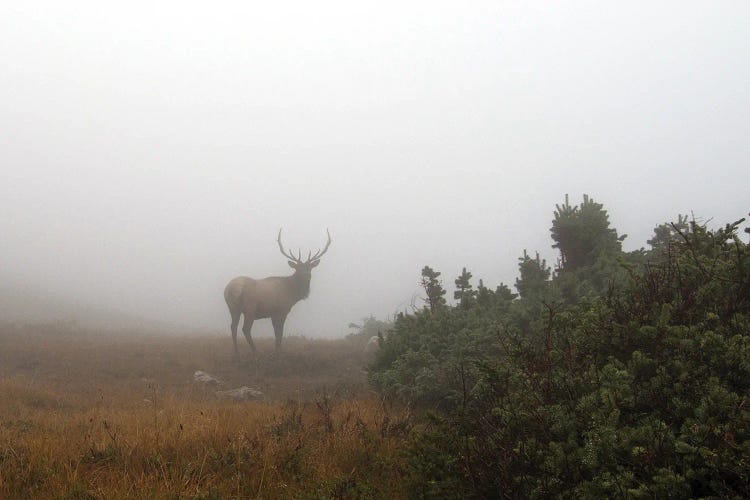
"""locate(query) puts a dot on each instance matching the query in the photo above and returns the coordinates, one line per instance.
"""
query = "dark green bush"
(636, 385)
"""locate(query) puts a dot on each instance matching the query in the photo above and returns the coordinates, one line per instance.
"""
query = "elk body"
(271, 297)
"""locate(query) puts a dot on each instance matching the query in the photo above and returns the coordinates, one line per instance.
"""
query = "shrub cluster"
(617, 375)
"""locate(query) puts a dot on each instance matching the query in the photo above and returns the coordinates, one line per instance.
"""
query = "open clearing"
(86, 415)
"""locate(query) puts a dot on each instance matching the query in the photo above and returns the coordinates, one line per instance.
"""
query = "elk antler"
(289, 255)
(319, 254)
(310, 257)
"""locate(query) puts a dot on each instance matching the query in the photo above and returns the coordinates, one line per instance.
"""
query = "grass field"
(118, 416)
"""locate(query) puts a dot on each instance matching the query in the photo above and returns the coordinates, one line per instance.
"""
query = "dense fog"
(150, 152)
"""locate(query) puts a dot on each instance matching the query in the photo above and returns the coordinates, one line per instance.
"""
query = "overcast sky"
(150, 151)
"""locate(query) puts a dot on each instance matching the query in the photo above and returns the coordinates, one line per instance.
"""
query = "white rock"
(205, 378)
(243, 393)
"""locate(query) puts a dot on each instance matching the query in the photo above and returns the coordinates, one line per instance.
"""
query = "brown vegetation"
(88, 416)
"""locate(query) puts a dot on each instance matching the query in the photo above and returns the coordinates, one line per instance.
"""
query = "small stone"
(243, 393)
(204, 378)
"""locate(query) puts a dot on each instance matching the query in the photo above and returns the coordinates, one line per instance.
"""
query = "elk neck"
(300, 284)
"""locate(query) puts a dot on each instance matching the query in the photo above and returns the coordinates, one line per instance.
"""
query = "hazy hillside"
(25, 305)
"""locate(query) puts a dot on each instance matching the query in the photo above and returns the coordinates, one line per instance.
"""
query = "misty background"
(150, 152)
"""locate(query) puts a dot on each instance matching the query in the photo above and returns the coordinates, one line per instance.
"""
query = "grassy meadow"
(87, 415)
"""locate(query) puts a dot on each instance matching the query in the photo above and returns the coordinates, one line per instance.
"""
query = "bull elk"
(271, 297)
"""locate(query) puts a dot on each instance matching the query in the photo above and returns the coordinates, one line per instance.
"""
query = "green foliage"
(582, 234)
(433, 288)
(465, 292)
(534, 276)
(370, 327)
(591, 255)
(668, 234)
(625, 375)
(503, 293)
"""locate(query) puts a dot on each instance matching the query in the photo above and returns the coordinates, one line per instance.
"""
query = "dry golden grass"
(87, 416)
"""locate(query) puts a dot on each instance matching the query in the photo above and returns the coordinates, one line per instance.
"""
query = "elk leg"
(247, 325)
(235, 322)
(278, 330)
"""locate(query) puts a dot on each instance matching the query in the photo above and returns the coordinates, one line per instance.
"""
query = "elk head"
(295, 261)
(303, 268)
